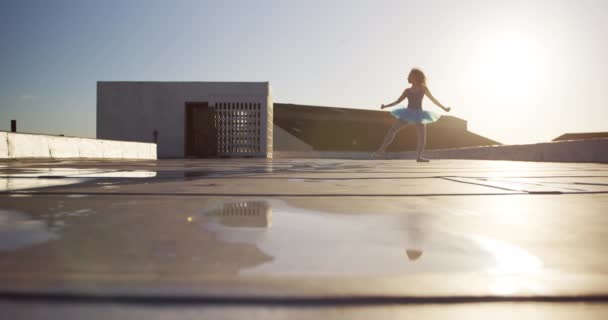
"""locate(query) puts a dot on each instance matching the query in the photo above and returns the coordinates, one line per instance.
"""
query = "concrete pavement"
(305, 229)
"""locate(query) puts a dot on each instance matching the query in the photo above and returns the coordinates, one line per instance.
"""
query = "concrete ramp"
(592, 150)
(285, 141)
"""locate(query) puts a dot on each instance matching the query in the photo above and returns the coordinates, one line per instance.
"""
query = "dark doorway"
(201, 131)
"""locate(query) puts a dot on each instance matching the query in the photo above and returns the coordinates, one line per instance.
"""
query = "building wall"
(269, 125)
(132, 111)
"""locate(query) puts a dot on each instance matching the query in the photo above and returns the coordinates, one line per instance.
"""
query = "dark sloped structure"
(581, 136)
(343, 129)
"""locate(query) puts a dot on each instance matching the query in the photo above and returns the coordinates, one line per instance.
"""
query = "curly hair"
(416, 76)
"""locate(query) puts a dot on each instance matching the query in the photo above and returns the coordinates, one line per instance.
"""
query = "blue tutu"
(415, 115)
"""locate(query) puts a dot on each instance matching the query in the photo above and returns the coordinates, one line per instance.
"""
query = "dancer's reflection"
(415, 236)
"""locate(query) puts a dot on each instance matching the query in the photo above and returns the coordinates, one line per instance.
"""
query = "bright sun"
(509, 76)
(510, 65)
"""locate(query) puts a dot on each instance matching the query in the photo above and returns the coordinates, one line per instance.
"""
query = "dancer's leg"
(390, 135)
(421, 133)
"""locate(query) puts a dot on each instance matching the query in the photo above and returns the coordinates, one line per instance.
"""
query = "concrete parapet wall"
(3, 145)
(593, 150)
(38, 146)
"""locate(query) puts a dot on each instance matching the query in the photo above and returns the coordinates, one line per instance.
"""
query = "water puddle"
(18, 230)
(312, 243)
(58, 173)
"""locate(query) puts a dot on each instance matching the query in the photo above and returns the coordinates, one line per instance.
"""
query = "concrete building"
(189, 119)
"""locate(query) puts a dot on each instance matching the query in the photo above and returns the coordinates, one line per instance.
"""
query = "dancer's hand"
(448, 109)
(382, 106)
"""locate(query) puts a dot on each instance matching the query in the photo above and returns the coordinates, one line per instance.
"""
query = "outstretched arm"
(401, 98)
(427, 92)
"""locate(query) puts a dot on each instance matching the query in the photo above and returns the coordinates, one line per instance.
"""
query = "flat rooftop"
(324, 232)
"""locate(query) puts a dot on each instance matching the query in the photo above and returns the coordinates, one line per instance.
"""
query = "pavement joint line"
(214, 177)
(523, 177)
(481, 184)
(528, 191)
(544, 192)
(323, 178)
(276, 195)
(290, 301)
(592, 184)
(536, 184)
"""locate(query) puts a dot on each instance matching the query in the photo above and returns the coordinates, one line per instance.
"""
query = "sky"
(517, 71)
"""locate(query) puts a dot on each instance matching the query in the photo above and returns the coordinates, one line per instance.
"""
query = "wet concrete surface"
(293, 228)
(498, 311)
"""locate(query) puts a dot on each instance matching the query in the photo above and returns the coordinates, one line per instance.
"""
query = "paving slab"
(285, 187)
(304, 229)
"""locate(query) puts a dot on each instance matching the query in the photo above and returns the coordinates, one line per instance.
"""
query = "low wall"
(592, 150)
(38, 146)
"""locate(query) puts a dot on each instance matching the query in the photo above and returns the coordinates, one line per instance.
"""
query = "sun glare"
(509, 72)
(510, 65)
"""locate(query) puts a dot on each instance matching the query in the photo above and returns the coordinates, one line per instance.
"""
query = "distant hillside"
(343, 129)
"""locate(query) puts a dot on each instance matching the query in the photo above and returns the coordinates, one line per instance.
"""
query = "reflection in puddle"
(312, 243)
(413, 254)
(59, 173)
(18, 231)
(13, 184)
(196, 174)
(75, 213)
(54, 177)
(76, 196)
(509, 259)
(250, 214)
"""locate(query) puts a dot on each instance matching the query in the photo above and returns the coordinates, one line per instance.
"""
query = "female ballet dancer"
(412, 114)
